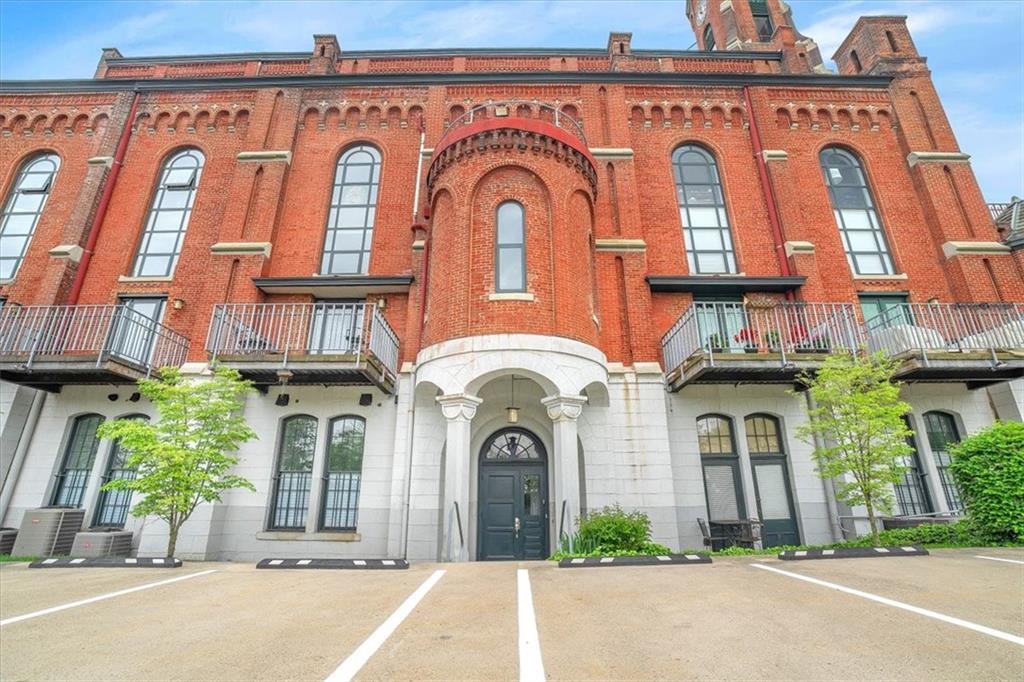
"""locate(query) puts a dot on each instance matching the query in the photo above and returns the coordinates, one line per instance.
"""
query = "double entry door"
(512, 524)
(724, 490)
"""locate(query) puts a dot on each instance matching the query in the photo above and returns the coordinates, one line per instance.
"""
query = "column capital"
(564, 407)
(458, 406)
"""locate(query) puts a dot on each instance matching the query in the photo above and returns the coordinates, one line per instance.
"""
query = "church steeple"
(755, 26)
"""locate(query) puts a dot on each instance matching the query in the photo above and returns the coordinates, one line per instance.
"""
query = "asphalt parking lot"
(951, 615)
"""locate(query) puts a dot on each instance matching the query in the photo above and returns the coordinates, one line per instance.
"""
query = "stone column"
(458, 410)
(564, 410)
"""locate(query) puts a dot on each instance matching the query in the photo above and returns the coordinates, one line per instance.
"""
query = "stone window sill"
(324, 536)
(511, 296)
(894, 278)
(126, 278)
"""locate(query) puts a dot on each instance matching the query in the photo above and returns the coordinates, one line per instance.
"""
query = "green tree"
(989, 470)
(185, 457)
(857, 429)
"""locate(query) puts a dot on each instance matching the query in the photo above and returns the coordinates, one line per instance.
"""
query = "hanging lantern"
(512, 410)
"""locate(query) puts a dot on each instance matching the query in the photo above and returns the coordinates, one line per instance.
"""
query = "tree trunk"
(875, 540)
(172, 540)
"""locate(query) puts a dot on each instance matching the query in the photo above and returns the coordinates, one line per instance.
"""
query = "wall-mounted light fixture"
(282, 400)
(178, 303)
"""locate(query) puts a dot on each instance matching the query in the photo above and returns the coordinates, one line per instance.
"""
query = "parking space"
(727, 620)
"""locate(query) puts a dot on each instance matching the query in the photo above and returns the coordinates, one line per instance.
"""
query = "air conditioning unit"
(96, 543)
(49, 531)
(7, 536)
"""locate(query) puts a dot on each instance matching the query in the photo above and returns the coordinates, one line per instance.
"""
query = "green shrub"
(959, 534)
(989, 470)
(613, 529)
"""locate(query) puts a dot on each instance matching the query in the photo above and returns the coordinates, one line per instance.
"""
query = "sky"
(975, 48)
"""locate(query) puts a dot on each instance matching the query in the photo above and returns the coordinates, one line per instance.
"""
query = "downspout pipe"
(101, 209)
(767, 189)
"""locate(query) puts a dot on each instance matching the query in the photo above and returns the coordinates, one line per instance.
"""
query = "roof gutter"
(101, 210)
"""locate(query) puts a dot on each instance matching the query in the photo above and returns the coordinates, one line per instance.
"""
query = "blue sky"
(975, 48)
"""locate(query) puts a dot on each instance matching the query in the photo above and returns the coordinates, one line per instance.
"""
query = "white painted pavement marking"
(995, 558)
(131, 561)
(77, 561)
(359, 562)
(607, 559)
(664, 558)
(908, 549)
(50, 561)
(90, 600)
(305, 562)
(992, 632)
(276, 562)
(692, 557)
(388, 562)
(358, 658)
(800, 553)
(578, 560)
(881, 550)
(827, 552)
(531, 665)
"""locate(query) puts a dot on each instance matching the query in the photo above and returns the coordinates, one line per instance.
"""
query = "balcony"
(47, 347)
(330, 344)
(519, 110)
(726, 343)
(976, 343)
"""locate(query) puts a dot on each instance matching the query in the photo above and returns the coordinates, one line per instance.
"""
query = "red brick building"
(525, 283)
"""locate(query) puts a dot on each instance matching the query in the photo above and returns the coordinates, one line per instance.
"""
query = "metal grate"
(291, 499)
(78, 459)
(341, 500)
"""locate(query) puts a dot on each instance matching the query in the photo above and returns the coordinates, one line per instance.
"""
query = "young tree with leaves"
(857, 429)
(186, 456)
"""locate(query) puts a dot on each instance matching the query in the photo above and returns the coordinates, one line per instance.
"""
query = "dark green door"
(774, 502)
(512, 498)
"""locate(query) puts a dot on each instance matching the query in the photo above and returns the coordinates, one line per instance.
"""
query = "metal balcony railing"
(946, 327)
(257, 330)
(785, 328)
(519, 109)
(95, 333)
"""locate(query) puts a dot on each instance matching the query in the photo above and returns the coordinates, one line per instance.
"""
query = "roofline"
(442, 52)
(448, 78)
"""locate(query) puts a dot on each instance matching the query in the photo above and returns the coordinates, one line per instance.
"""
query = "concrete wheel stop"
(852, 553)
(335, 564)
(659, 560)
(107, 562)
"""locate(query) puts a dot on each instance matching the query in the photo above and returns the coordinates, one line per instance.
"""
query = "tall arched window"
(344, 473)
(79, 454)
(21, 213)
(911, 491)
(856, 217)
(112, 509)
(709, 38)
(721, 468)
(942, 432)
(510, 248)
(352, 213)
(169, 214)
(294, 473)
(771, 480)
(709, 247)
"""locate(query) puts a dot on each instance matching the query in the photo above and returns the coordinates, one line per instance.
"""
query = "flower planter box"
(852, 553)
(108, 562)
(335, 564)
(660, 560)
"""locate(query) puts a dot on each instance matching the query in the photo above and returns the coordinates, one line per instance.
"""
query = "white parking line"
(358, 658)
(991, 632)
(531, 665)
(995, 558)
(90, 600)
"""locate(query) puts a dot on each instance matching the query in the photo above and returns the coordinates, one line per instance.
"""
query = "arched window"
(942, 432)
(772, 491)
(294, 473)
(856, 61)
(352, 214)
(510, 256)
(721, 468)
(22, 210)
(709, 247)
(112, 509)
(709, 38)
(79, 454)
(343, 477)
(854, 209)
(169, 214)
(911, 491)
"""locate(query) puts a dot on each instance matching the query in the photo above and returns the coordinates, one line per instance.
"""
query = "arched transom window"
(709, 247)
(510, 256)
(353, 212)
(512, 445)
(854, 210)
(169, 215)
(22, 209)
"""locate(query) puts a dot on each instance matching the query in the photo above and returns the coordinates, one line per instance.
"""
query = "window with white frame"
(169, 214)
(510, 248)
(22, 210)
